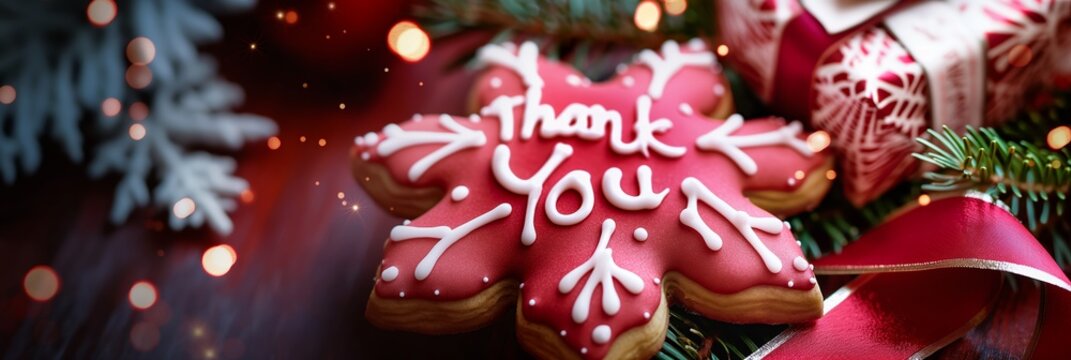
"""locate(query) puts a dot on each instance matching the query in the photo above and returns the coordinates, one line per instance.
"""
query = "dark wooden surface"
(305, 261)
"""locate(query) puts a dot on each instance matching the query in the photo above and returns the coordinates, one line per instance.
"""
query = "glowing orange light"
(41, 283)
(818, 141)
(291, 17)
(184, 208)
(723, 50)
(274, 143)
(323, 142)
(924, 200)
(676, 7)
(330, 6)
(647, 15)
(409, 41)
(247, 196)
(302, 138)
(138, 111)
(138, 76)
(101, 12)
(1059, 137)
(7, 94)
(140, 51)
(830, 175)
(1020, 55)
(111, 107)
(137, 131)
(219, 259)
(142, 295)
(279, 14)
(252, 46)
(342, 106)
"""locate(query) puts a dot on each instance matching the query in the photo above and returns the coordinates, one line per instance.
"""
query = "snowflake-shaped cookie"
(586, 205)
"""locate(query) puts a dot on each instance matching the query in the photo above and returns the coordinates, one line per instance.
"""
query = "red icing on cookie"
(476, 235)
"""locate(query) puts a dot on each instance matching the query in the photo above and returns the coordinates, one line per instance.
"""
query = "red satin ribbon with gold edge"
(927, 279)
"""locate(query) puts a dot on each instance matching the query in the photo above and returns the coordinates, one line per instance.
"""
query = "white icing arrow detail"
(744, 223)
(672, 60)
(447, 236)
(459, 138)
(720, 140)
(603, 272)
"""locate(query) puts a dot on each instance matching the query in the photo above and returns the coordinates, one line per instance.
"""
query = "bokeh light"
(1059, 137)
(924, 200)
(101, 12)
(138, 111)
(647, 15)
(723, 50)
(1020, 55)
(676, 7)
(409, 41)
(137, 131)
(111, 107)
(7, 94)
(144, 336)
(831, 174)
(219, 259)
(818, 140)
(142, 295)
(41, 283)
(274, 143)
(138, 76)
(291, 17)
(184, 208)
(140, 51)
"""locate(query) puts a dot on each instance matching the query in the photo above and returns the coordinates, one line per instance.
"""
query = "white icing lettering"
(502, 107)
(532, 187)
(580, 181)
(646, 199)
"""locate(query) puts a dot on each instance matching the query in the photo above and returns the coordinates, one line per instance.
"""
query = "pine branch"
(1033, 181)
(693, 336)
(595, 35)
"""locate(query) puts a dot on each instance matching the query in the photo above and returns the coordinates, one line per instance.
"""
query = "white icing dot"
(799, 263)
(563, 333)
(531, 302)
(696, 44)
(583, 350)
(812, 266)
(417, 117)
(522, 285)
(496, 82)
(657, 281)
(719, 89)
(646, 315)
(365, 155)
(791, 181)
(686, 109)
(640, 234)
(485, 279)
(401, 294)
(628, 81)
(407, 222)
(371, 138)
(459, 193)
(474, 118)
(788, 226)
(601, 334)
(436, 292)
(389, 274)
(359, 140)
(573, 80)
(813, 280)
(791, 283)
(799, 243)
(621, 68)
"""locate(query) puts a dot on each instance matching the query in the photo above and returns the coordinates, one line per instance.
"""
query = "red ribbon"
(927, 278)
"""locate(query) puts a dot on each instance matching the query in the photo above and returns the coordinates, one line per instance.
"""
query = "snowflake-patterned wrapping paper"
(64, 68)
(874, 94)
